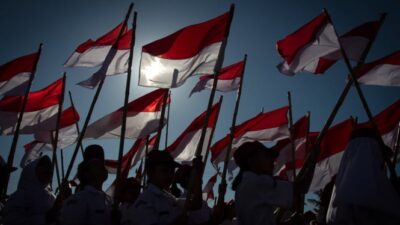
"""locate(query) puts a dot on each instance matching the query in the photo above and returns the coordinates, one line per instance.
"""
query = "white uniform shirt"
(256, 197)
(87, 207)
(153, 207)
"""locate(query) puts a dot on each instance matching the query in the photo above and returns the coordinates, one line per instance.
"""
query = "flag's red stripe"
(68, 117)
(392, 59)
(227, 73)
(17, 66)
(387, 120)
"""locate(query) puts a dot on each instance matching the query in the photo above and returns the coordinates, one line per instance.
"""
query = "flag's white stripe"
(141, 154)
(138, 125)
(186, 149)
(324, 171)
(92, 57)
(285, 154)
(66, 136)
(31, 121)
(34, 153)
(382, 75)
(390, 137)
(270, 134)
(16, 85)
(325, 43)
(225, 85)
(165, 73)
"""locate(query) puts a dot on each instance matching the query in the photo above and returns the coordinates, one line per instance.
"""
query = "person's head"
(93, 152)
(94, 172)
(129, 190)
(44, 170)
(161, 168)
(255, 157)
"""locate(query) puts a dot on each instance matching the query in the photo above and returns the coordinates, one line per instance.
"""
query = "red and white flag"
(382, 72)
(269, 126)
(115, 62)
(315, 39)
(208, 192)
(67, 133)
(93, 53)
(354, 43)
(14, 75)
(184, 147)
(41, 105)
(228, 79)
(284, 147)
(388, 122)
(143, 118)
(193, 50)
(34, 150)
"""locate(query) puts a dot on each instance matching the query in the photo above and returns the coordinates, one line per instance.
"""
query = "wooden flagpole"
(311, 158)
(396, 146)
(161, 122)
(76, 124)
(55, 139)
(222, 189)
(62, 163)
(167, 125)
(292, 138)
(125, 109)
(353, 77)
(96, 96)
(11, 155)
(145, 161)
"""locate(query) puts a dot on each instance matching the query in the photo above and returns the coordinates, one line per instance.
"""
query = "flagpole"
(363, 100)
(125, 109)
(62, 164)
(222, 185)
(55, 139)
(145, 161)
(161, 122)
(211, 136)
(396, 146)
(292, 138)
(76, 124)
(10, 159)
(167, 125)
(96, 95)
(311, 158)
(308, 133)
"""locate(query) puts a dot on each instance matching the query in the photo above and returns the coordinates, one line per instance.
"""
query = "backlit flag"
(284, 147)
(228, 79)
(193, 50)
(14, 75)
(208, 192)
(67, 133)
(142, 119)
(315, 39)
(34, 150)
(184, 147)
(41, 105)
(387, 122)
(265, 127)
(354, 43)
(382, 72)
(115, 62)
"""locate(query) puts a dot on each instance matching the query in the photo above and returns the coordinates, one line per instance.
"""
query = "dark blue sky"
(257, 25)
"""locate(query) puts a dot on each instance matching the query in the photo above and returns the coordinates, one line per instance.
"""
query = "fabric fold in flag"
(315, 39)
(382, 72)
(184, 147)
(14, 75)
(142, 119)
(193, 50)
(228, 79)
(208, 192)
(34, 150)
(354, 43)
(41, 105)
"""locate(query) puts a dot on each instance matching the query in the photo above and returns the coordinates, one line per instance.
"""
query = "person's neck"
(97, 186)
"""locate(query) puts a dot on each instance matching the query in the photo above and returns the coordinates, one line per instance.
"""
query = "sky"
(62, 25)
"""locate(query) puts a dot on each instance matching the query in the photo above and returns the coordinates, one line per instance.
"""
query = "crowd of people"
(360, 194)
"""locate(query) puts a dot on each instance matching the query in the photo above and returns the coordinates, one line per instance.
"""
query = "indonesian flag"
(333, 145)
(142, 119)
(193, 50)
(93, 53)
(14, 75)
(41, 105)
(67, 133)
(315, 39)
(354, 43)
(139, 171)
(269, 126)
(382, 72)
(228, 79)
(387, 122)
(208, 192)
(184, 147)
(284, 147)
(34, 150)
(115, 62)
